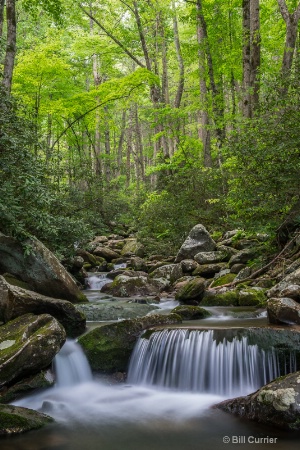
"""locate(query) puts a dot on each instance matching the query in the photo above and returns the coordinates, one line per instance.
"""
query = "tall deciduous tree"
(291, 21)
(10, 52)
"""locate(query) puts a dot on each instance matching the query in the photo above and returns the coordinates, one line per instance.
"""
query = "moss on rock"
(108, 348)
(15, 420)
(225, 279)
(187, 312)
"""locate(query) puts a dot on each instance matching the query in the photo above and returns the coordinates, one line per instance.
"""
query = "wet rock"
(187, 312)
(115, 310)
(108, 348)
(191, 290)
(42, 380)
(276, 404)
(16, 420)
(40, 269)
(283, 310)
(28, 345)
(138, 263)
(198, 240)
(15, 302)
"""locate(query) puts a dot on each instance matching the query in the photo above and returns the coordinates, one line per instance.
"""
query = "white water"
(97, 281)
(71, 365)
(190, 360)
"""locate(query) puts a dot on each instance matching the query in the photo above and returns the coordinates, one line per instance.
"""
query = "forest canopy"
(149, 116)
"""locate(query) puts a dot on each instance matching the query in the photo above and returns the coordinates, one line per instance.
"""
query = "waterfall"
(97, 281)
(192, 360)
(71, 365)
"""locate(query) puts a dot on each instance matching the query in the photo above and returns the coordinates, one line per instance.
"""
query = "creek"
(174, 379)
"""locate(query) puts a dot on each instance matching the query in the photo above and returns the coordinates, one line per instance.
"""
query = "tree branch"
(284, 10)
(119, 43)
(91, 110)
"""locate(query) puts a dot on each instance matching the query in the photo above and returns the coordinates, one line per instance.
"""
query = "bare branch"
(284, 10)
(119, 43)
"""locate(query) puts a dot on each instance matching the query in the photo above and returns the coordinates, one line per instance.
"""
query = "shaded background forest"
(148, 116)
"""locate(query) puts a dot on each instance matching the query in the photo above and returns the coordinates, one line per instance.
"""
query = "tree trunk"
(255, 53)
(246, 59)
(120, 143)
(291, 21)
(204, 128)
(1, 17)
(10, 54)
(180, 87)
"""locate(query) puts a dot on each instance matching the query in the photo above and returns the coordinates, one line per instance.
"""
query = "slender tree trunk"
(180, 87)
(246, 59)
(255, 53)
(10, 54)
(139, 145)
(2, 2)
(204, 129)
(120, 143)
(291, 21)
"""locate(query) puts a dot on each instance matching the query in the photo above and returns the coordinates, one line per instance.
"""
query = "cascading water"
(97, 281)
(191, 360)
(71, 365)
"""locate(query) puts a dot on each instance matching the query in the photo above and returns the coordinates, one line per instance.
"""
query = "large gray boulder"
(15, 302)
(170, 272)
(192, 291)
(28, 345)
(279, 290)
(276, 404)
(283, 310)
(130, 286)
(39, 268)
(198, 240)
(16, 420)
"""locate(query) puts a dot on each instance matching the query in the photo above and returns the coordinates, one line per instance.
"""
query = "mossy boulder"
(41, 380)
(211, 257)
(276, 404)
(283, 310)
(133, 247)
(188, 312)
(16, 420)
(170, 272)
(252, 296)
(238, 296)
(15, 302)
(209, 270)
(40, 269)
(125, 285)
(28, 345)
(108, 348)
(191, 290)
(225, 279)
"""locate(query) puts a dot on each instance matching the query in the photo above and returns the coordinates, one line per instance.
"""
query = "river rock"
(198, 240)
(276, 404)
(106, 253)
(131, 286)
(211, 257)
(28, 345)
(15, 302)
(243, 256)
(291, 279)
(108, 348)
(188, 265)
(138, 263)
(115, 310)
(133, 247)
(191, 291)
(39, 268)
(41, 380)
(283, 310)
(170, 272)
(187, 312)
(16, 420)
(209, 270)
